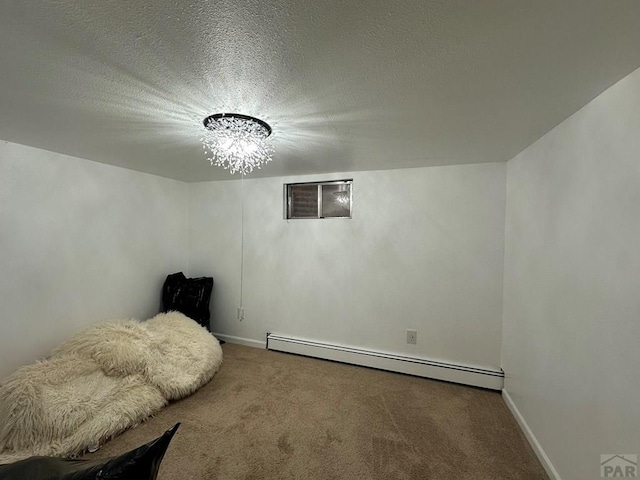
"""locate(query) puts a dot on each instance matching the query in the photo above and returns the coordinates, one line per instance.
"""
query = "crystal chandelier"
(236, 142)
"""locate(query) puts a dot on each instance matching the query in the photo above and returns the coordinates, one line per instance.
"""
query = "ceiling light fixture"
(237, 142)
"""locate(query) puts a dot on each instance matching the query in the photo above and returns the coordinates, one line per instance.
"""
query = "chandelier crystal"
(236, 142)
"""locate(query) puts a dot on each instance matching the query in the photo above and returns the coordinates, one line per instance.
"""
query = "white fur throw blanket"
(102, 381)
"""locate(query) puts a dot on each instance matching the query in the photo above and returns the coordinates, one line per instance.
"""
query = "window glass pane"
(336, 200)
(304, 201)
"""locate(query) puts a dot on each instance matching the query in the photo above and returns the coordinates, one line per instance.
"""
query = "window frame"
(320, 184)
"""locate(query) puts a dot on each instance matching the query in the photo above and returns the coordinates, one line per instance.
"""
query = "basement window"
(318, 199)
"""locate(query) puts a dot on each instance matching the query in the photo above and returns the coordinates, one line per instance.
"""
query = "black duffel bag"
(189, 296)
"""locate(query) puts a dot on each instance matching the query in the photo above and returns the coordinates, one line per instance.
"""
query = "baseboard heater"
(421, 367)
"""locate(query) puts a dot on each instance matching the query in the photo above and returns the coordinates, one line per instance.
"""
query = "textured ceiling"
(346, 85)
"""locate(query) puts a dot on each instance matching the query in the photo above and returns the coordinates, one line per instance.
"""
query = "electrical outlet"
(240, 313)
(412, 336)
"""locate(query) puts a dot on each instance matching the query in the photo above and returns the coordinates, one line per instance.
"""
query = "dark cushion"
(189, 296)
(141, 463)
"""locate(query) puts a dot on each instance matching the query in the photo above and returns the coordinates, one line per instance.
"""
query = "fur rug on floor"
(102, 381)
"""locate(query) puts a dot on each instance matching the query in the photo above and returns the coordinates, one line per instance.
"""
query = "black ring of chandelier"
(214, 118)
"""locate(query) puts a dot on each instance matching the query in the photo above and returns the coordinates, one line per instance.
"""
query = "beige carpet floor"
(269, 415)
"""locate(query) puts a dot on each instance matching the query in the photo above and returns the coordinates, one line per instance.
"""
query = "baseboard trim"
(421, 367)
(240, 340)
(533, 441)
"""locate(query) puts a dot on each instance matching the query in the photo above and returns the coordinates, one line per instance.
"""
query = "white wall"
(424, 250)
(80, 242)
(571, 344)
